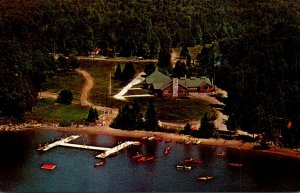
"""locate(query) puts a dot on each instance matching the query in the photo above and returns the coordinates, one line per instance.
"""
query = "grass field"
(48, 110)
(194, 51)
(65, 80)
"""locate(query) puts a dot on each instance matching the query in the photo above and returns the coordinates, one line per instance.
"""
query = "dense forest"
(254, 52)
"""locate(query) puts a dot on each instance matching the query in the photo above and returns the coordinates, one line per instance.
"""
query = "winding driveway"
(87, 86)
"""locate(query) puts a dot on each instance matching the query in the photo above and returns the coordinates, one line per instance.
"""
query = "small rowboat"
(235, 164)
(204, 178)
(137, 156)
(184, 167)
(144, 158)
(100, 163)
(221, 154)
(168, 141)
(193, 160)
(48, 166)
(167, 150)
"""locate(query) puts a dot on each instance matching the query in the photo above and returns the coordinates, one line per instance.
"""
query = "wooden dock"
(84, 146)
(114, 150)
(107, 151)
(59, 142)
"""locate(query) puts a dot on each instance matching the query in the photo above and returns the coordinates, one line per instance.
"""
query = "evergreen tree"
(139, 121)
(187, 129)
(128, 71)
(207, 128)
(91, 116)
(96, 114)
(164, 59)
(184, 51)
(118, 72)
(188, 60)
(179, 70)
(149, 69)
(145, 50)
(151, 122)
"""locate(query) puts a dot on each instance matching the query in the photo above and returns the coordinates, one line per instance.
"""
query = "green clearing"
(48, 110)
(168, 109)
(65, 80)
(194, 51)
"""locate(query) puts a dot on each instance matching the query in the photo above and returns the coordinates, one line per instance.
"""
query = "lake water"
(20, 167)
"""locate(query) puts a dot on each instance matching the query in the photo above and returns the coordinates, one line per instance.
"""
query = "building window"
(166, 91)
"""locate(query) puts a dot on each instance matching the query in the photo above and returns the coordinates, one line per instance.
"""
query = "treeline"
(261, 72)
(132, 27)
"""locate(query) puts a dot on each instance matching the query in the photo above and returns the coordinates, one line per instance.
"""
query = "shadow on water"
(14, 150)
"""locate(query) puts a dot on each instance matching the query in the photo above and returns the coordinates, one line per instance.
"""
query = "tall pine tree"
(151, 122)
(118, 72)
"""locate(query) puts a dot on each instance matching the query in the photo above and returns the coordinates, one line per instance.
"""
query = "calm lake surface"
(20, 167)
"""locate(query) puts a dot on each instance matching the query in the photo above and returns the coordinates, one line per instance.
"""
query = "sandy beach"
(138, 134)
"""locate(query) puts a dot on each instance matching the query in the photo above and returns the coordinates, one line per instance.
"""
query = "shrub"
(65, 97)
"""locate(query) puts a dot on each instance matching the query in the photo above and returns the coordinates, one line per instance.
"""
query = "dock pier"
(107, 151)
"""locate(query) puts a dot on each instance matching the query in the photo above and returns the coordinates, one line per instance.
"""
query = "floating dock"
(107, 151)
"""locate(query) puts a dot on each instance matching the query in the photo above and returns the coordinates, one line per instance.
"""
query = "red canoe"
(137, 156)
(144, 158)
(235, 164)
(193, 160)
(48, 166)
(167, 150)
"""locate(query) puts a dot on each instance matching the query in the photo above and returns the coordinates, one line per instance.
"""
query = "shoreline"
(138, 134)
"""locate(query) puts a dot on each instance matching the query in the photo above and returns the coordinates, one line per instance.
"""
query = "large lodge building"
(162, 85)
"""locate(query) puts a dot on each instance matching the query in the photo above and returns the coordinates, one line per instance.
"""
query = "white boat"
(184, 167)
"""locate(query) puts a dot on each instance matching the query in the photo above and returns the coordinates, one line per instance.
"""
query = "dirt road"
(88, 85)
(174, 57)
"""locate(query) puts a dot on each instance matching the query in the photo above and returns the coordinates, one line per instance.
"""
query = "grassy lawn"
(65, 80)
(176, 110)
(48, 110)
